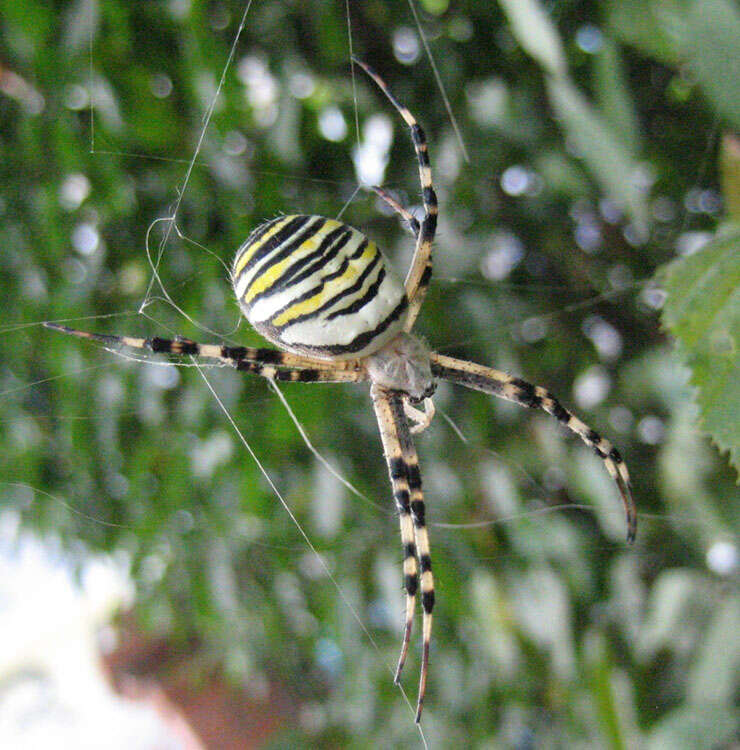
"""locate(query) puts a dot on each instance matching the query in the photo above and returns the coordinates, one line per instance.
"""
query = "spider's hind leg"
(403, 466)
(388, 408)
(418, 513)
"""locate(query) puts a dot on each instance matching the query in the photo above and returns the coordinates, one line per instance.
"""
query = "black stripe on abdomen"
(282, 235)
(362, 340)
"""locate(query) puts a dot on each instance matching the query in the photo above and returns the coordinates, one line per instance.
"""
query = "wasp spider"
(324, 293)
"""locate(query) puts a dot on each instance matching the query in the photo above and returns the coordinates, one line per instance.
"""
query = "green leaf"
(536, 33)
(703, 33)
(615, 97)
(656, 28)
(606, 155)
(713, 674)
(702, 311)
(714, 54)
(729, 164)
(696, 727)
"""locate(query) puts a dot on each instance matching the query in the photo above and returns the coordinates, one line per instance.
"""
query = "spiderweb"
(517, 510)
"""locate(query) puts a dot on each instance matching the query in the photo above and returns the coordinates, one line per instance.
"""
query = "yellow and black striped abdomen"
(318, 287)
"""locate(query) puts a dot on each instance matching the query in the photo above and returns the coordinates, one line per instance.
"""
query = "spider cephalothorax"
(325, 294)
(403, 364)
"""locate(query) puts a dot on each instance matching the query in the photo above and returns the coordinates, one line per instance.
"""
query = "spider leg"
(403, 466)
(387, 405)
(506, 386)
(418, 513)
(408, 217)
(420, 273)
(269, 363)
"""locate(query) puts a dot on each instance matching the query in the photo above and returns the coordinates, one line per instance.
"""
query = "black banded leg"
(269, 363)
(387, 405)
(506, 386)
(408, 217)
(420, 273)
(418, 514)
(295, 375)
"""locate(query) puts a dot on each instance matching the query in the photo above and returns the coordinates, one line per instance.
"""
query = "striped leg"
(269, 363)
(501, 384)
(420, 273)
(388, 410)
(403, 466)
(407, 216)
(418, 513)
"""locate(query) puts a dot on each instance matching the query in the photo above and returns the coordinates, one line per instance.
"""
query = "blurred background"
(588, 170)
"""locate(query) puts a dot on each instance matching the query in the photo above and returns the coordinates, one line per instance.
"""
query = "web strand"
(352, 72)
(440, 84)
(91, 86)
(181, 192)
(318, 455)
(309, 543)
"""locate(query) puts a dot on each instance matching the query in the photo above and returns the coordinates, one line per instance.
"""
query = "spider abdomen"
(319, 287)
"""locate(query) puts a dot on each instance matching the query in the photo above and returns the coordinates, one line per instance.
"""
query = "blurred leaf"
(606, 155)
(685, 462)
(492, 610)
(704, 32)
(695, 727)
(730, 174)
(714, 52)
(561, 174)
(656, 27)
(543, 607)
(601, 672)
(435, 7)
(614, 96)
(713, 676)
(674, 595)
(536, 33)
(598, 488)
(605, 149)
(702, 311)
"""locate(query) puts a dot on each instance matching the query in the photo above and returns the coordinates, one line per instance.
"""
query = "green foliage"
(730, 175)
(702, 728)
(703, 312)
(603, 149)
(548, 631)
(657, 28)
(537, 34)
(605, 142)
(714, 54)
(702, 33)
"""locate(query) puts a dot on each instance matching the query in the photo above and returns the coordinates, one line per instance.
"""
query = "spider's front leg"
(420, 273)
(411, 221)
(272, 364)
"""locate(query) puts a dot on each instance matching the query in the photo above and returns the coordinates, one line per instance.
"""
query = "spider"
(326, 296)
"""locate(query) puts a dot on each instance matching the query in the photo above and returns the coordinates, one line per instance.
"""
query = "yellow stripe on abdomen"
(249, 252)
(330, 289)
(318, 287)
(275, 271)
